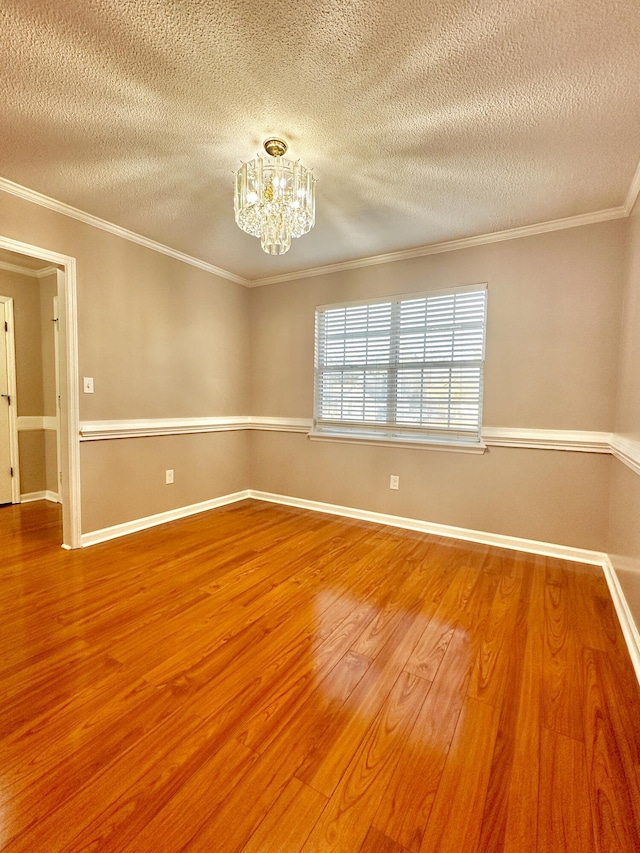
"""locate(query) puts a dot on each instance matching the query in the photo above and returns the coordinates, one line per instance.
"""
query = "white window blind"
(405, 368)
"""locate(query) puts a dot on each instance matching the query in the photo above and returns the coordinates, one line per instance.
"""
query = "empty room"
(320, 426)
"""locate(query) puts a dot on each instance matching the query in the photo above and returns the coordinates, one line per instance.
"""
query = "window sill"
(476, 448)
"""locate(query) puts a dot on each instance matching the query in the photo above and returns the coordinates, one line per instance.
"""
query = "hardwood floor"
(260, 678)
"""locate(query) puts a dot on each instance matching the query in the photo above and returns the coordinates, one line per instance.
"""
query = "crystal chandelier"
(275, 199)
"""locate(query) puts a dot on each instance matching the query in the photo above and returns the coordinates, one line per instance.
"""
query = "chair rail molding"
(626, 450)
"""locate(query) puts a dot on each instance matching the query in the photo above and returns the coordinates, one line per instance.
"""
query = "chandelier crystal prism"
(275, 199)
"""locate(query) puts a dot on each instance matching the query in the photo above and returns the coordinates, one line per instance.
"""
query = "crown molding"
(17, 269)
(373, 260)
(73, 212)
(26, 271)
(634, 191)
(43, 273)
(451, 245)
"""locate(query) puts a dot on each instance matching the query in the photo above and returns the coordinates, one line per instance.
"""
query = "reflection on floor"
(261, 678)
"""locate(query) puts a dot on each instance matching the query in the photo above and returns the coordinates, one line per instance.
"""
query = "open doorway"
(41, 445)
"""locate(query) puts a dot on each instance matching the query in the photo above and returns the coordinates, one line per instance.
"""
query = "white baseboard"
(515, 543)
(627, 623)
(531, 546)
(39, 496)
(117, 530)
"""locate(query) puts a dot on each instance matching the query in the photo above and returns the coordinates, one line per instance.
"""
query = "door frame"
(56, 362)
(69, 431)
(10, 342)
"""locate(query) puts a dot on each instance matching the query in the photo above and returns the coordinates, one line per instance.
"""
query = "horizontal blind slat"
(408, 364)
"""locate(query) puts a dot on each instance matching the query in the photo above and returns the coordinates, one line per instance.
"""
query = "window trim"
(413, 437)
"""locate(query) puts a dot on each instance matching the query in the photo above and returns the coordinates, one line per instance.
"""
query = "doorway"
(9, 469)
(67, 403)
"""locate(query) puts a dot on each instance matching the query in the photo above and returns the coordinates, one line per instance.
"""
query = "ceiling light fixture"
(275, 199)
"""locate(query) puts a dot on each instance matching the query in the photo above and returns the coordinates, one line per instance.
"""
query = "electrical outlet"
(87, 385)
(168, 476)
(394, 482)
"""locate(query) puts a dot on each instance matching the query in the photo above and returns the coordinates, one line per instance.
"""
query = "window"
(402, 368)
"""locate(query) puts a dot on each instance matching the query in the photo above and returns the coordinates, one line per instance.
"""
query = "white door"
(56, 339)
(6, 473)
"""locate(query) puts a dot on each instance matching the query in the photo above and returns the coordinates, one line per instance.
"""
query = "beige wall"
(161, 339)
(124, 479)
(552, 330)
(48, 287)
(536, 494)
(624, 533)
(35, 375)
(628, 398)
(32, 456)
(25, 292)
(51, 461)
(552, 335)
(624, 530)
(48, 290)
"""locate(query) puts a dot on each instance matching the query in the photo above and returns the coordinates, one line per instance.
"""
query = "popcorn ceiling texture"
(423, 121)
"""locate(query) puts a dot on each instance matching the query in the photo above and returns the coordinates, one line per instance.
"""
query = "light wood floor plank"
(345, 821)
(263, 678)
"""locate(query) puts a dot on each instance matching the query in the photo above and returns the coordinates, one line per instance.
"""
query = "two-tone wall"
(554, 304)
(161, 339)
(623, 542)
(35, 378)
(198, 359)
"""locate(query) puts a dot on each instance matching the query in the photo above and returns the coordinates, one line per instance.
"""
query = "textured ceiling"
(423, 121)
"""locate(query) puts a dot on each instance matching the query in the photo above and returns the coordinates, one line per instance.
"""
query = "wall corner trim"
(634, 191)
(626, 450)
